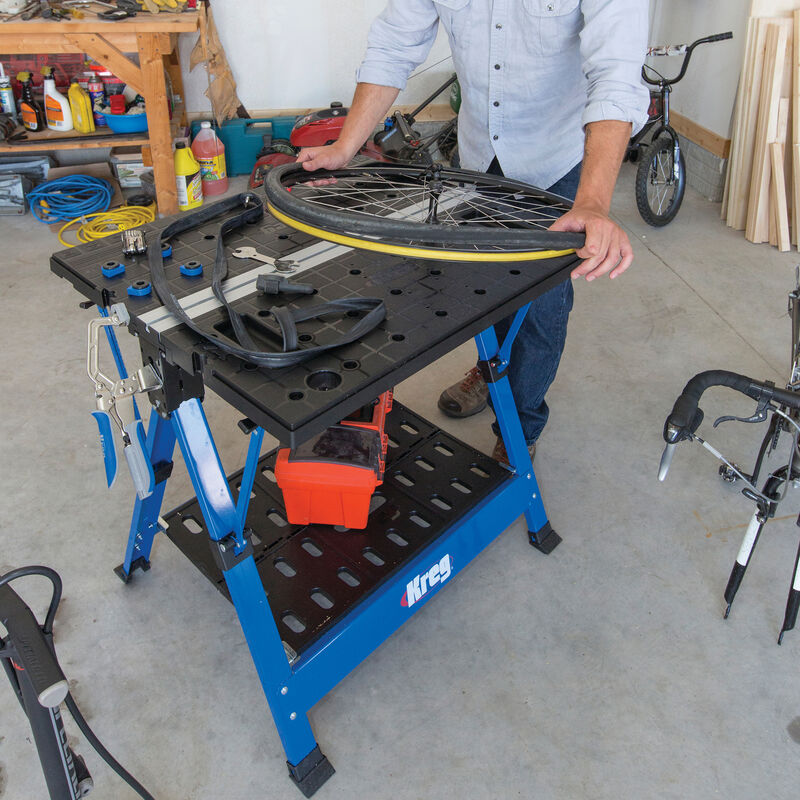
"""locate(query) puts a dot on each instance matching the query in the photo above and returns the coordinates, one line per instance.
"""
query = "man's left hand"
(607, 248)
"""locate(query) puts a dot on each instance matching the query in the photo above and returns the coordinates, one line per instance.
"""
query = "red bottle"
(210, 154)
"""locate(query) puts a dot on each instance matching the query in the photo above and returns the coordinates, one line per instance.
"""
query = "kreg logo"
(419, 587)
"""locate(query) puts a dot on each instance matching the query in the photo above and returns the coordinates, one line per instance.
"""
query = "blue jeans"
(540, 341)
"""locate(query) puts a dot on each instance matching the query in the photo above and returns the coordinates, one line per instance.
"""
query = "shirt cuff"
(382, 74)
(601, 110)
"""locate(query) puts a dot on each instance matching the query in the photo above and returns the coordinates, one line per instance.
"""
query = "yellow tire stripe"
(414, 252)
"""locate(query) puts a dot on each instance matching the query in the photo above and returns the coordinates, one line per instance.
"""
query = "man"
(550, 95)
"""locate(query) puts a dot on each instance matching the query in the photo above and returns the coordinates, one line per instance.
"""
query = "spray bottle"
(56, 107)
(30, 110)
(6, 93)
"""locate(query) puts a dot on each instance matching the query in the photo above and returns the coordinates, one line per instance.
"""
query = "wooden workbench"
(154, 39)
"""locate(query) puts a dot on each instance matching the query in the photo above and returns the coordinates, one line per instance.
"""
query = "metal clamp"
(114, 403)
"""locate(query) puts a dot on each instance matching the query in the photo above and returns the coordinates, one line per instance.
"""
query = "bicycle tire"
(357, 202)
(656, 168)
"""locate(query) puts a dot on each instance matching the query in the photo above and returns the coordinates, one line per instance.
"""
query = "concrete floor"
(604, 670)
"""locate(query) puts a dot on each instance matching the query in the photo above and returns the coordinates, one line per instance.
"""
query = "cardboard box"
(128, 165)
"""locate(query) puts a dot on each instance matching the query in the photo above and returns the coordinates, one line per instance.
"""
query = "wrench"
(279, 265)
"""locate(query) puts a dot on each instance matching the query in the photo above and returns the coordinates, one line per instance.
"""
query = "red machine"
(330, 479)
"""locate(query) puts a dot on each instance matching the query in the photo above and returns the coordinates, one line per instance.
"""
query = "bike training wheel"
(422, 211)
(659, 193)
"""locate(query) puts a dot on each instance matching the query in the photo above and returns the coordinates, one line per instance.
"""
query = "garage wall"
(298, 53)
(708, 92)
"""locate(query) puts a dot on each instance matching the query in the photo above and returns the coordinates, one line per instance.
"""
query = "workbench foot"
(140, 563)
(311, 772)
(545, 540)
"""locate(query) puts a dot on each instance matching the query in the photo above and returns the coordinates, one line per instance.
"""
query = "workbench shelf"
(314, 575)
(72, 140)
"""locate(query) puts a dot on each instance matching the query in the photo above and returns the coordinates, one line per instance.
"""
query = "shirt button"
(495, 137)
(499, 26)
(496, 103)
(549, 6)
(497, 66)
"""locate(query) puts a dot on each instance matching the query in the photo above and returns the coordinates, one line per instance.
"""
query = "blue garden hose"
(69, 197)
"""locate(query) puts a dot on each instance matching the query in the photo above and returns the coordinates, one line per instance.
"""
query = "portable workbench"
(314, 601)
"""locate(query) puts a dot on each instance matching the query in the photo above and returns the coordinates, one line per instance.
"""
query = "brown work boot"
(467, 397)
(499, 453)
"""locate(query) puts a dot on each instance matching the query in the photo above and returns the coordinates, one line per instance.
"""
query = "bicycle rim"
(662, 186)
(422, 211)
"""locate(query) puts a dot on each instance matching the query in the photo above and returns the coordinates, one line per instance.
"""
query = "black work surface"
(432, 307)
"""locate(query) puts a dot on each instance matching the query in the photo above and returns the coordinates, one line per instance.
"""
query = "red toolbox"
(330, 479)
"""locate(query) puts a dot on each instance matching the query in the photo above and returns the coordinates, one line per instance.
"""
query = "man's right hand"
(330, 156)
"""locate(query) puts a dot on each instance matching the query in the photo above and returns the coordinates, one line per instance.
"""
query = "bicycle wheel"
(659, 190)
(422, 211)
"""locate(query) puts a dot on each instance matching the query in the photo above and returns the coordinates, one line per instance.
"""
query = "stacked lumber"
(762, 185)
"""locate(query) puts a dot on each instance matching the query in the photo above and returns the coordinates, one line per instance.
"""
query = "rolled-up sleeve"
(399, 41)
(613, 47)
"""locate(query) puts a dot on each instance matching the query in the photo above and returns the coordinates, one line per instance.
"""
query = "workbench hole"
(345, 576)
(440, 502)
(479, 471)
(321, 599)
(419, 520)
(355, 271)
(398, 337)
(515, 272)
(323, 380)
(340, 529)
(353, 313)
(392, 442)
(248, 367)
(394, 536)
(401, 477)
(284, 236)
(443, 449)
(373, 557)
(296, 395)
(269, 474)
(376, 501)
(276, 519)
(209, 236)
(192, 525)
(409, 428)
(293, 623)
(395, 291)
(284, 567)
(255, 539)
(305, 337)
(436, 272)
(441, 313)
(460, 487)
(351, 364)
(311, 548)
(480, 291)
(423, 463)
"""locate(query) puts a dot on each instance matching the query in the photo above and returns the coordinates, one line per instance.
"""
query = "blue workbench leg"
(493, 360)
(233, 552)
(160, 445)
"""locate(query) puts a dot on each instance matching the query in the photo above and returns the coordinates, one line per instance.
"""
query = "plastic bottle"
(210, 154)
(30, 110)
(81, 107)
(6, 93)
(187, 178)
(57, 112)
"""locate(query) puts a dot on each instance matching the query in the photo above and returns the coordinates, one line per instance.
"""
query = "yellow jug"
(81, 106)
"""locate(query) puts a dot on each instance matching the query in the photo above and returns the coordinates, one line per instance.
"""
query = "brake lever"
(759, 416)
(666, 461)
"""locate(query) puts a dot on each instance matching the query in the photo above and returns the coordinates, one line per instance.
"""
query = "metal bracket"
(226, 554)
(493, 370)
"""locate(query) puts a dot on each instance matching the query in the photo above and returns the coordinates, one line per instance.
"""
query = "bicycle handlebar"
(686, 415)
(717, 37)
(33, 652)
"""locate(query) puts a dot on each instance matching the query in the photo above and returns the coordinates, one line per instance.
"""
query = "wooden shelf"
(55, 140)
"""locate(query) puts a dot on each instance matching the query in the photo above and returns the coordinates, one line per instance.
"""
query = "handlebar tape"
(719, 37)
(33, 652)
(686, 416)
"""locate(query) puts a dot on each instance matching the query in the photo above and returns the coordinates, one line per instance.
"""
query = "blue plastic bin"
(126, 123)
(244, 138)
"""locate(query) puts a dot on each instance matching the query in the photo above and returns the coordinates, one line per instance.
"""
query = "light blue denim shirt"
(532, 73)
